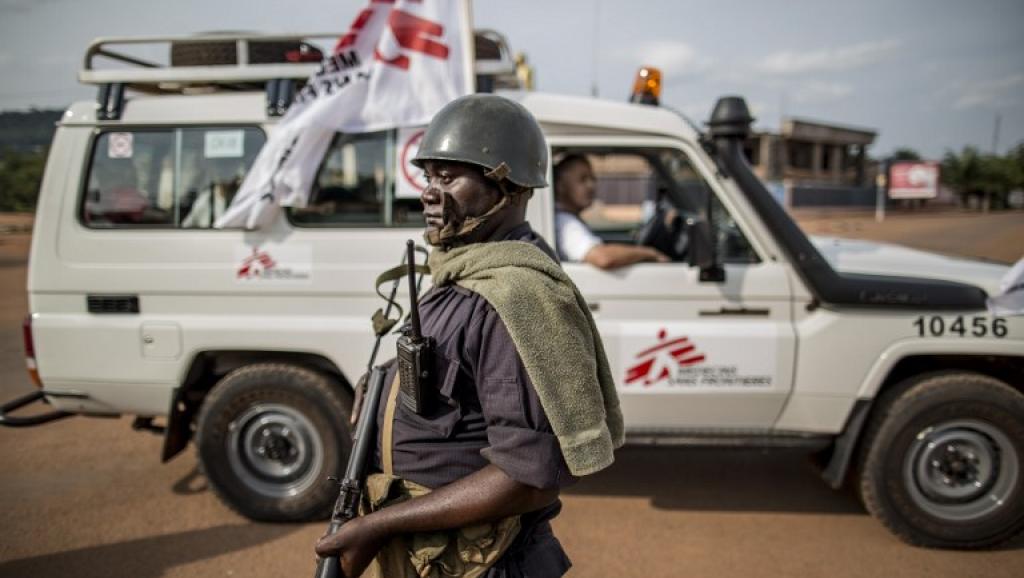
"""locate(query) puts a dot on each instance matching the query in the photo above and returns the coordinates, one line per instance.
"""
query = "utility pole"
(881, 190)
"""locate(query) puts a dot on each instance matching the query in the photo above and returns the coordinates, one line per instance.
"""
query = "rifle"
(365, 436)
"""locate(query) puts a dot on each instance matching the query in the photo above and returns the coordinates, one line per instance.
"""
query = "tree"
(961, 172)
(988, 178)
(904, 154)
(20, 176)
(1016, 156)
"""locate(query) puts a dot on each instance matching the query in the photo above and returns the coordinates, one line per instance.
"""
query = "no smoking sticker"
(120, 145)
(410, 182)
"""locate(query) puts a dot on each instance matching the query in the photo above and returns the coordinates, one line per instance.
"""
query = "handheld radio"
(415, 352)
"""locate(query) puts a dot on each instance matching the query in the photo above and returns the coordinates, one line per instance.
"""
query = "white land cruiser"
(881, 360)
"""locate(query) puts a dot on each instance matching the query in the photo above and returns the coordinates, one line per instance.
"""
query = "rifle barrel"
(414, 310)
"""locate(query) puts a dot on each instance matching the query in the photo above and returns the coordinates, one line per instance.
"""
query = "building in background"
(811, 163)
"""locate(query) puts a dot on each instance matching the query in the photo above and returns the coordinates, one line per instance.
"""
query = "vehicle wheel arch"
(849, 443)
(1000, 359)
(1006, 368)
(207, 367)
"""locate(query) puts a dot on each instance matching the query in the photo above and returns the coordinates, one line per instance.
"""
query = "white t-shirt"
(573, 238)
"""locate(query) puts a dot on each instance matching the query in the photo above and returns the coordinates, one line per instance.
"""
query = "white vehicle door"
(685, 353)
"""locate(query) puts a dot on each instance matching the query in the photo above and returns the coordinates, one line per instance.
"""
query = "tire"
(269, 435)
(942, 460)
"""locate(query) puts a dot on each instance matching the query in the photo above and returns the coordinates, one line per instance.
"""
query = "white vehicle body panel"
(857, 256)
(813, 364)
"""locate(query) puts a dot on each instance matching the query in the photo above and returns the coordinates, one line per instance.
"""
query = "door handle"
(735, 311)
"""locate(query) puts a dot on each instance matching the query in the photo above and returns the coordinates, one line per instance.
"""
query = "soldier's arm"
(487, 495)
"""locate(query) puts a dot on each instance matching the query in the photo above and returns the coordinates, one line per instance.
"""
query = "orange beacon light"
(647, 86)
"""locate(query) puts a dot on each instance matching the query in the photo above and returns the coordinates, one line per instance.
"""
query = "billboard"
(914, 180)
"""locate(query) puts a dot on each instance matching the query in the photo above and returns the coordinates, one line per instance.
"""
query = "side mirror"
(702, 252)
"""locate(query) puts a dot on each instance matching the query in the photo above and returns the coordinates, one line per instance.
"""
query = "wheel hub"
(957, 465)
(277, 443)
(960, 470)
(274, 449)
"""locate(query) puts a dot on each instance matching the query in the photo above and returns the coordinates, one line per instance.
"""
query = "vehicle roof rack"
(227, 61)
(217, 59)
(495, 66)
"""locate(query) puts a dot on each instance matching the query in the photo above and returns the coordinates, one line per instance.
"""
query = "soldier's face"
(455, 192)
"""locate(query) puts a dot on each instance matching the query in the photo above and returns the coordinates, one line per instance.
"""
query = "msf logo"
(404, 32)
(660, 362)
(254, 265)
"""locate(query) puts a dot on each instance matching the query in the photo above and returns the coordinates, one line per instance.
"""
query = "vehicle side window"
(733, 246)
(633, 184)
(355, 187)
(166, 178)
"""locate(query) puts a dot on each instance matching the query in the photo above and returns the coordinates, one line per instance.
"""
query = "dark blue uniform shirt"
(486, 412)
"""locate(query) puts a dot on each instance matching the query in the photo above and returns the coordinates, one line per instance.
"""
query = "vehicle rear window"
(181, 178)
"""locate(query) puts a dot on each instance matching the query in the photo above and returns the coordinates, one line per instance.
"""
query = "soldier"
(472, 484)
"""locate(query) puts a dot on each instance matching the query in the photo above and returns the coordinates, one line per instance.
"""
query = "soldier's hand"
(355, 545)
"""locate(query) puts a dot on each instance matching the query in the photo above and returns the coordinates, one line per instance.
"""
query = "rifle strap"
(387, 439)
(382, 324)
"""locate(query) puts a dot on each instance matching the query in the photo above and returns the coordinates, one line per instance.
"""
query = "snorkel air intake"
(728, 129)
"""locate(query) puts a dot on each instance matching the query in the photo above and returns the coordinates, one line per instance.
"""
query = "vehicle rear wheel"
(269, 435)
(942, 461)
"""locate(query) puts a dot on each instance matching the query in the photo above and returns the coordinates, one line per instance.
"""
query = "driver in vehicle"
(575, 187)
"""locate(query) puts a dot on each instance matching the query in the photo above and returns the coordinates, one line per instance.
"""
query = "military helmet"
(488, 131)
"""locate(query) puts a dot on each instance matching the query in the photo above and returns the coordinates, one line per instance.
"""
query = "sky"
(932, 75)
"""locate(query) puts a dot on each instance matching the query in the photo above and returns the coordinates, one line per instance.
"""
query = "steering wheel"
(665, 231)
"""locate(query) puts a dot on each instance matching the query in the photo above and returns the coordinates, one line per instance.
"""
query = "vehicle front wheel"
(269, 435)
(942, 458)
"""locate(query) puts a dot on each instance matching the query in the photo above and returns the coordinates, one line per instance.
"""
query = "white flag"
(401, 61)
(1010, 300)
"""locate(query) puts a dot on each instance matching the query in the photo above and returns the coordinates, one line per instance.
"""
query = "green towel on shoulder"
(552, 328)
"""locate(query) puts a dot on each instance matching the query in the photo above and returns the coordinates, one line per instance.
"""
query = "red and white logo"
(660, 362)
(410, 32)
(291, 264)
(404, 32)
(256, 264)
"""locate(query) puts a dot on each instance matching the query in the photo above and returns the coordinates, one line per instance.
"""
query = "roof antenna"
(596, 45)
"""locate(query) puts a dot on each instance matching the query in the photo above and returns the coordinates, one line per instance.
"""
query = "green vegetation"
(20, 175)
(24, 138)
(984, 180)
(905, 154)
(25, 131)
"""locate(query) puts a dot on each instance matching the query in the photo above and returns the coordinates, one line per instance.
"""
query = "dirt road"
(998, 236)
(88, 497)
